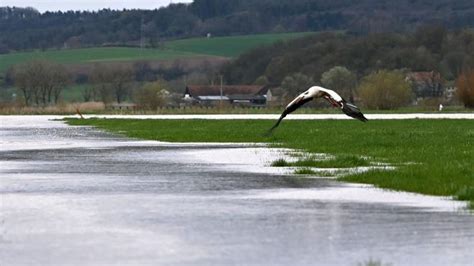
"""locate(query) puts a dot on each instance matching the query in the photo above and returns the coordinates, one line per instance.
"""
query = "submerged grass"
(309, 171)
(339, 161)
(305, 171)
(465, 193)
(433, 156)
(280, 163)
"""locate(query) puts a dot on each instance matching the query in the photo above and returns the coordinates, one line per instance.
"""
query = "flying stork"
(319, 92)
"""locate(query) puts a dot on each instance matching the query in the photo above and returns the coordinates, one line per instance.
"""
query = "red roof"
(425, 77)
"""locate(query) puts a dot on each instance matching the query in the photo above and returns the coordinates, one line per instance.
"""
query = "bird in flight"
(319, 92)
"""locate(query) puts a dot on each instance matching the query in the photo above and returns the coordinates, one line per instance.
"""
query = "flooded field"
(80, 196)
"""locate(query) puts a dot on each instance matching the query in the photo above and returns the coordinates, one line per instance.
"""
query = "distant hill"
(430, 48)
(22, 29)
(185, 48)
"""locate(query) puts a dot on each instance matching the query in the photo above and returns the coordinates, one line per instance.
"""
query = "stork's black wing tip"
(268, 133)
(354, 112)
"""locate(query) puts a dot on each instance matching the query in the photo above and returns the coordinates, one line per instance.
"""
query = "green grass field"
(432, 156)
(91, 55)
(216, 46)
(229, 46)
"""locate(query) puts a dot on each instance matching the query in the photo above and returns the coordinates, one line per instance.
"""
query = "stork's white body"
(319, 92)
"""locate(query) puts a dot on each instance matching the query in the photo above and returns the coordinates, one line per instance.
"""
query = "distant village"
(425, 86)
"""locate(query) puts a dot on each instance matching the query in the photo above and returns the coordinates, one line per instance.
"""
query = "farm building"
(240, 95)
(426, 84)
(122, 106)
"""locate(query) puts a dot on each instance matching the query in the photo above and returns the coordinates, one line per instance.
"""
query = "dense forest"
(429, 48)
(26, 28)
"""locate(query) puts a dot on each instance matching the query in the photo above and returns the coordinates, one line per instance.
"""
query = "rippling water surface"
(79, 196)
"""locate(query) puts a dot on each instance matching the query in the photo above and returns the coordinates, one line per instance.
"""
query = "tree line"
(40, 82)
(26, 28)
(347, 63)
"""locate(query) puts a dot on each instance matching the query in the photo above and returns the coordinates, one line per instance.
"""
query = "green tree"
(431, 37)
(453, 64)
(341, 80)
(385, 90)
(295, 84)
(262, 80)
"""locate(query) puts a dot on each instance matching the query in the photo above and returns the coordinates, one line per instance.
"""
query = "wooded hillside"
(430, 48)
(22, 28)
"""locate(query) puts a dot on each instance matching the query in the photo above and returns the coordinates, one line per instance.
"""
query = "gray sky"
(64, 5)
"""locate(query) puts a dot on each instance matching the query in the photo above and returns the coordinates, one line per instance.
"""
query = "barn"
(237, 95)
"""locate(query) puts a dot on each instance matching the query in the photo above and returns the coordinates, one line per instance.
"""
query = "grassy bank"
(432, 156)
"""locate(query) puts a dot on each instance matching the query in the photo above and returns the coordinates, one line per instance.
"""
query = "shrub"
(385, 90)
(465, 85)
(151, 95)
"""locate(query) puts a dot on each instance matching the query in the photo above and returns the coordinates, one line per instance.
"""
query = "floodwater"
(296, 116)
(79, 196)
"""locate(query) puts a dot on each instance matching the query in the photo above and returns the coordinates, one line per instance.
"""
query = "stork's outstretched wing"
(290, 108)
(318, 92)
(353, 111)
(349, 109)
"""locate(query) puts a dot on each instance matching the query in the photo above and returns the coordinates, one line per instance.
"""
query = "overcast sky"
(64, 5)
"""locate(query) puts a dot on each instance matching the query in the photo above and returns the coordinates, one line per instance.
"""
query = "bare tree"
(120, 79)
(112, 81)
(40, 81)
(100, 80)
(61, 78)
(22, 83)
(88, 94)
(465, 92)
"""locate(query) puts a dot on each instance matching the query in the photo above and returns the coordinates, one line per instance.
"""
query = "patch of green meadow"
(231, 46)
(432, 157)
(92, 55)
